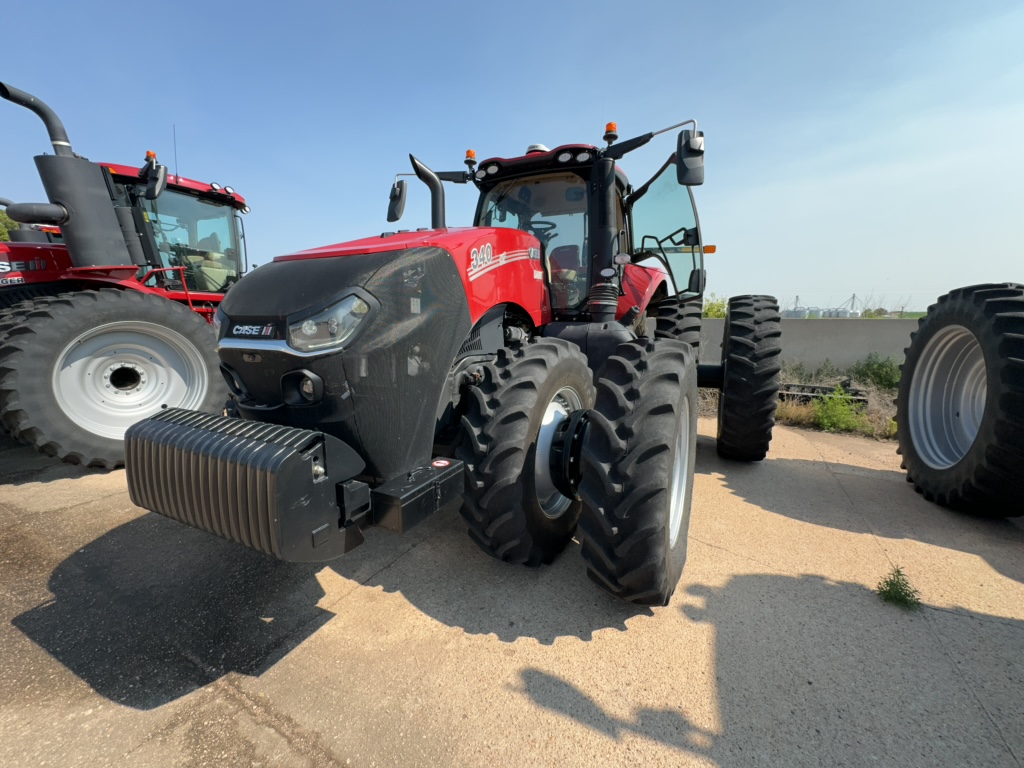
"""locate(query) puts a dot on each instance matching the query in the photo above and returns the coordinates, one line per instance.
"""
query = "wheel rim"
(552, 503)
(677, 497)
(947, 397)
(114, 375)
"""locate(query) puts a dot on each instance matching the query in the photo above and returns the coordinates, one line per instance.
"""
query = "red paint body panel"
(23, 264)
(638, 287)
(235, 200)
(497, 265)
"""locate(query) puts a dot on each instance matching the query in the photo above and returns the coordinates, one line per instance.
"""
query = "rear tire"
(751, 377)
(513, 509)
(21, 294)
(679, 319)
(78, 369)
(637, 470)
(960, 407)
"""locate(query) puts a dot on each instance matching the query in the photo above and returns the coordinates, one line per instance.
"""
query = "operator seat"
(211, 271)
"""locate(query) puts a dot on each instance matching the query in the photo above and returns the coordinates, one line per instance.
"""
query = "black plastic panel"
(382, 392)
(92, 232)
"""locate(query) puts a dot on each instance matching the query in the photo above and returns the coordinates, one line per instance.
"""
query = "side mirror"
(156, 181)
(690, 158)
(696, 282)
(397, 205)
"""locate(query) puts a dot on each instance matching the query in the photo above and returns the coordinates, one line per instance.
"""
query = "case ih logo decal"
(253, 330)
(22, 266)
(483, 260)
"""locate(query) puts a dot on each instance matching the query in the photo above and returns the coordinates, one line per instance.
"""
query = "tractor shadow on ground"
(446, 576)
(864, 500)
(22, 464)
(807, 671)
(153, 610)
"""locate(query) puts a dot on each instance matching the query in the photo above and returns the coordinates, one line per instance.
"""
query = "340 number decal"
(481, 257)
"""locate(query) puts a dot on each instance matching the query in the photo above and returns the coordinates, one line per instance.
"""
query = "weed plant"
(895, 588)
(838, 412)
(883, 373)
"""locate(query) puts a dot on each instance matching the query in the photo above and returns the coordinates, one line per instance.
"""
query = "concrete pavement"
(130, 640)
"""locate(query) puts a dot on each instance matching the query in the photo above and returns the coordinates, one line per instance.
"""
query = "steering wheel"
(541, 227)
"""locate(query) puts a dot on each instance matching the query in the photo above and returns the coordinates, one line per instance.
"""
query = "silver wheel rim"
(947, 397)
(677, 497)
(553, 504)
(116, 374)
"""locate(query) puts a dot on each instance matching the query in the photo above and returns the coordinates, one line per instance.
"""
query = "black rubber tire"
(646, 397)
(29, 405)
(987, 478)
(498, 445)
(10, 317)
(751, 377)
(678, 318)
(12, 296)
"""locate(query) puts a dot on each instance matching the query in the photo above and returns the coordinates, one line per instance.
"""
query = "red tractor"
(539, 366)
(106, 295)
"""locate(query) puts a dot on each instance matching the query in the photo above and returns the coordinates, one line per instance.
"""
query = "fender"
(639, 285)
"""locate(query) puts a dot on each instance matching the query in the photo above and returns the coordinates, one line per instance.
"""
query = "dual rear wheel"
(633, 463)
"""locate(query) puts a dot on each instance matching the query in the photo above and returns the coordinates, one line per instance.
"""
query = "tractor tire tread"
(752, 377)
(986, 482)
(625, 462)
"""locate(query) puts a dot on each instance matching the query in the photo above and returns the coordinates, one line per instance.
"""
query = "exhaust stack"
(58, 136)
(80, 200)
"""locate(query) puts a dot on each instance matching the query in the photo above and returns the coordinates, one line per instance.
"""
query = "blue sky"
(870, 148)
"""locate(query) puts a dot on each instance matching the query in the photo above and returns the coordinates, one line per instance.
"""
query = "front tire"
(637, 470)
(78, 369)
(751, 377)
(960, 407)
(515, 512)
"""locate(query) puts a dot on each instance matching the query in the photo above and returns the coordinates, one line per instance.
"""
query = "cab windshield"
(552, 208)
(200, 235)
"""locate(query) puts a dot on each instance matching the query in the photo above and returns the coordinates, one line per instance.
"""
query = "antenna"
(174, 129)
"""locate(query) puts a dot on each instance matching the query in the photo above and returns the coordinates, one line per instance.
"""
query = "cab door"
(665, 231)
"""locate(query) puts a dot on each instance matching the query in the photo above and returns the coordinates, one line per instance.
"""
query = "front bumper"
(287, 492)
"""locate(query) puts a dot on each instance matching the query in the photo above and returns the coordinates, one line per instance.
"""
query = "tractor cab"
(546, 193)
(595, 229)
(189, 227)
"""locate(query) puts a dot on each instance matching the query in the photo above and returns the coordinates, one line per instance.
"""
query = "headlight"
(330, 328)
(218, 320)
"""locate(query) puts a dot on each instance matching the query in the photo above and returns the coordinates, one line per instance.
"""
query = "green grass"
(715, 306)
(882, 372)
(838, 412)
(895, 588)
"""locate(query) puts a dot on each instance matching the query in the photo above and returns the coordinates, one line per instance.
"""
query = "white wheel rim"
(551, 501)
(116, 374)
(947, 397)
(677, 497)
